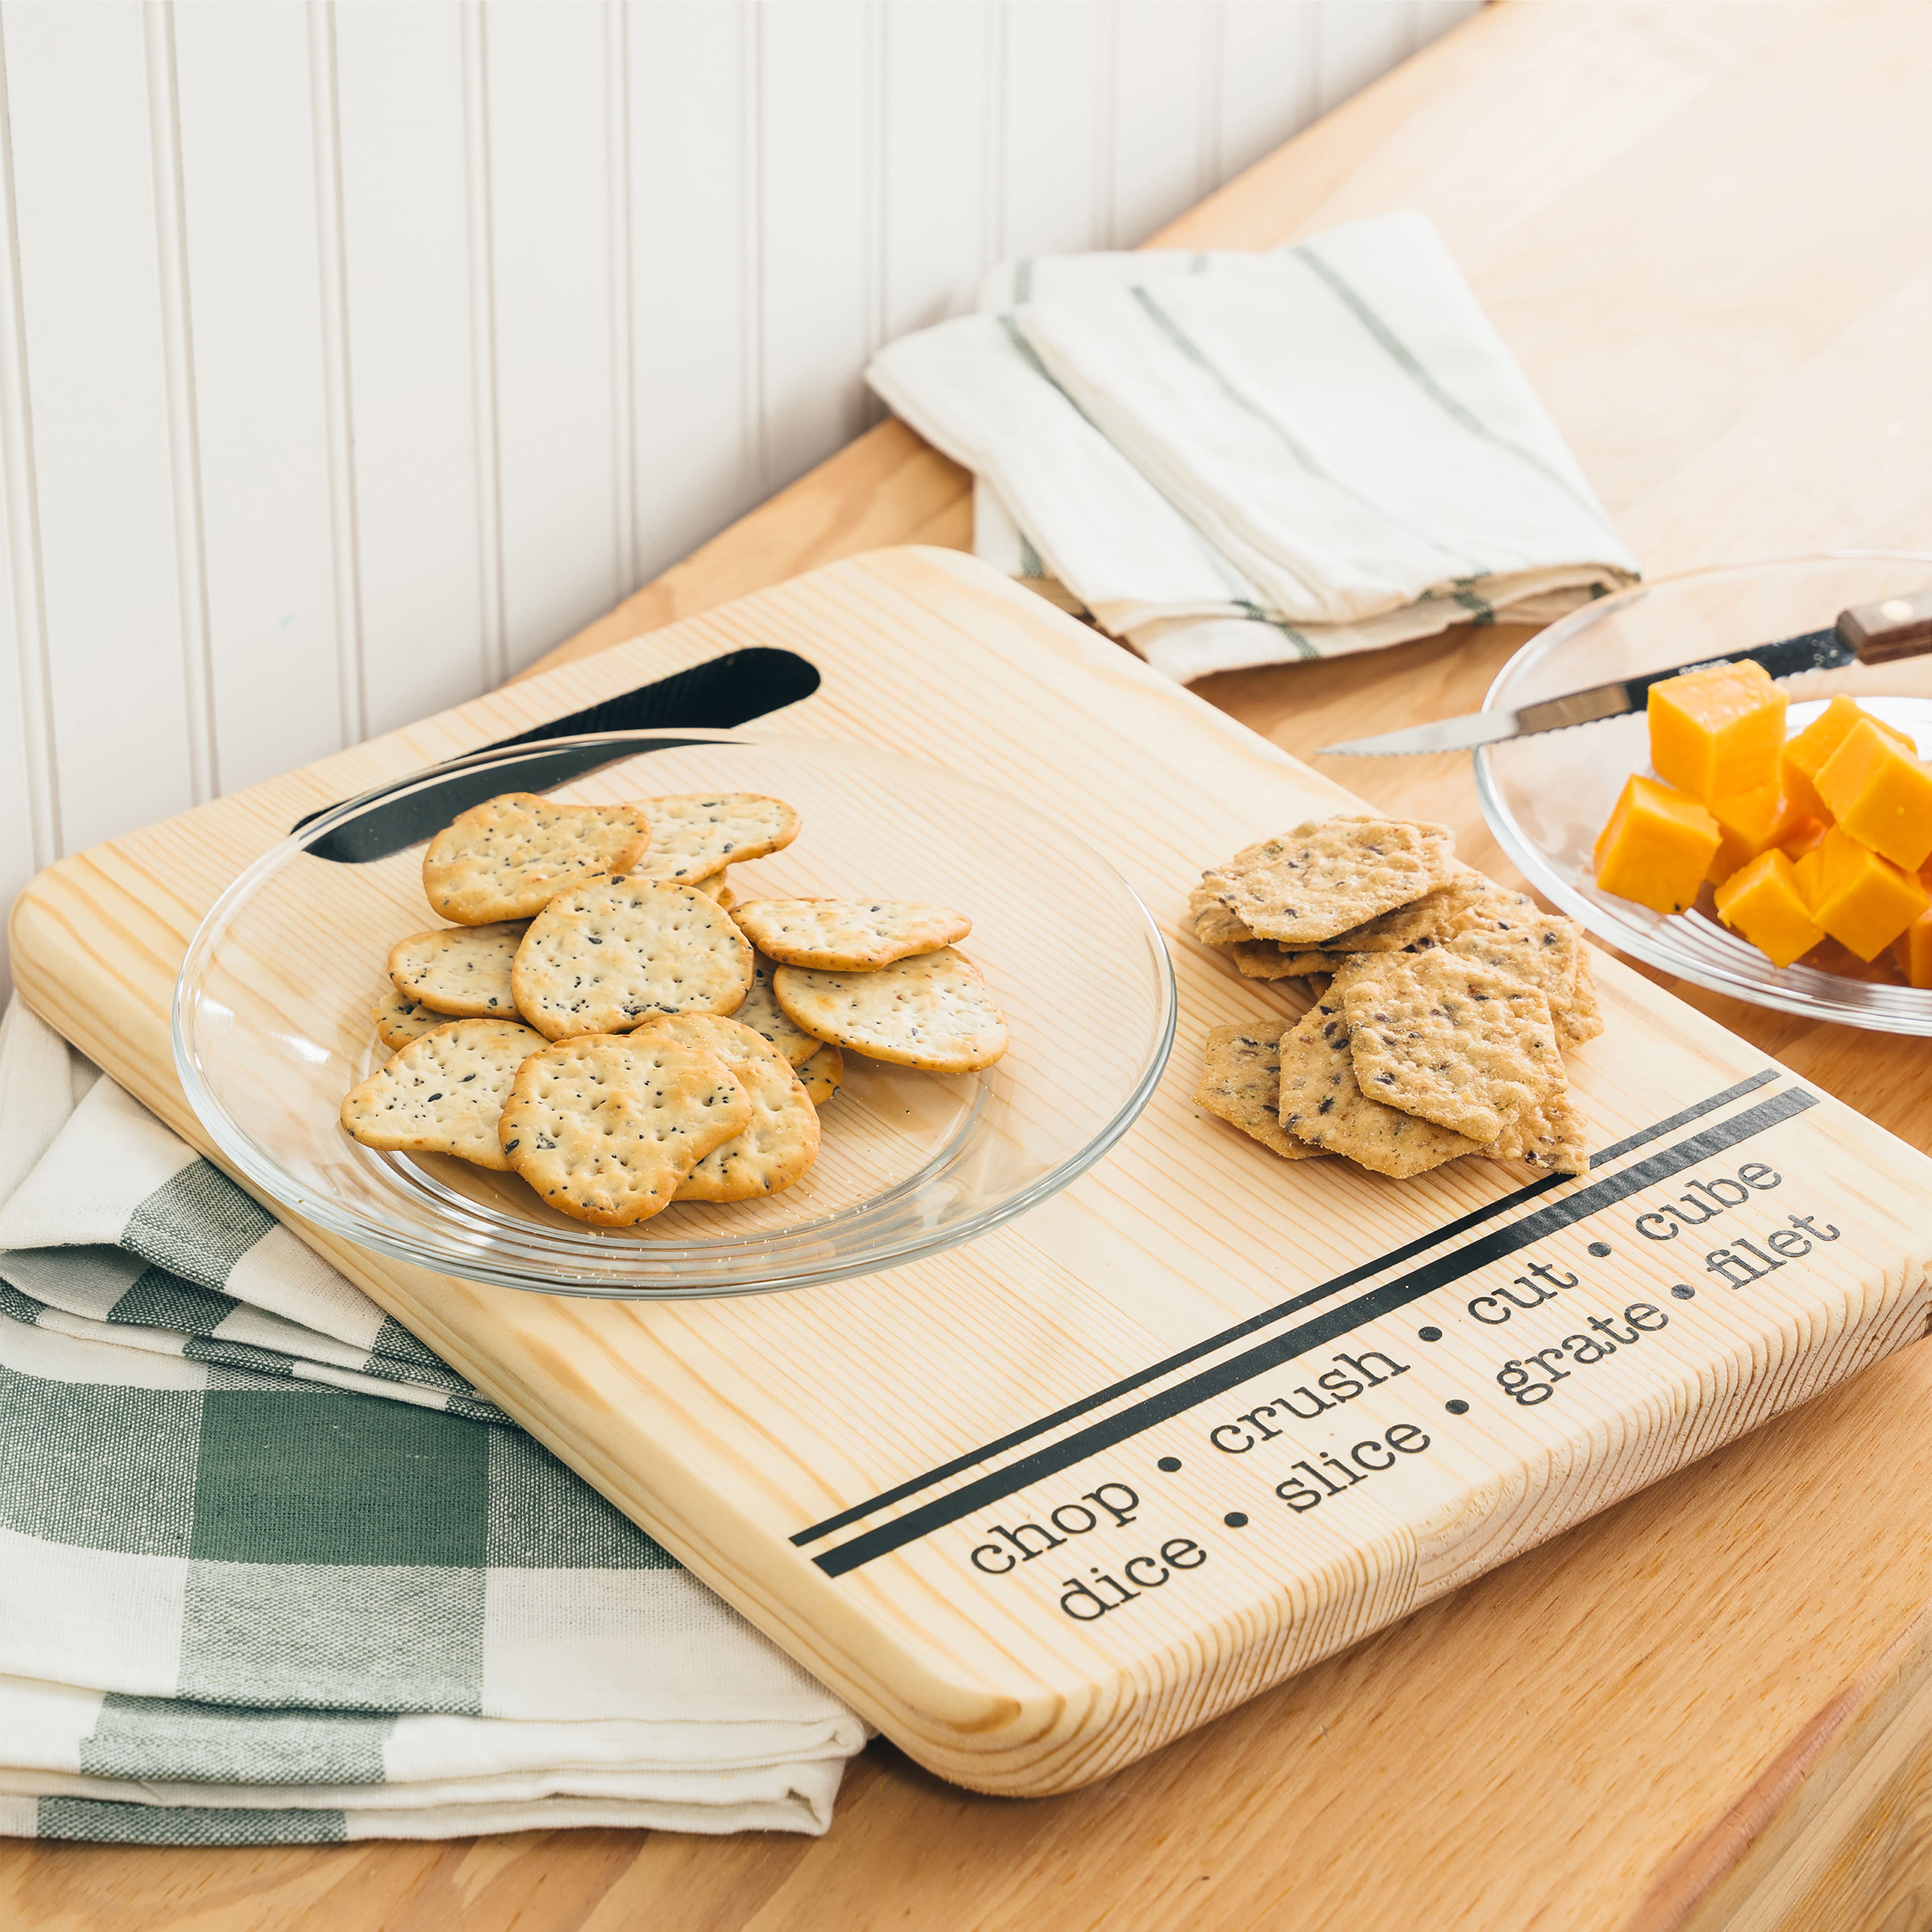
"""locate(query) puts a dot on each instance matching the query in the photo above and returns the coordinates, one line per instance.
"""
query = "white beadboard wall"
(352, 354)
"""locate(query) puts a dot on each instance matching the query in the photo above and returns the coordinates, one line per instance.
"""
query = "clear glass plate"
(272, 1024)
(1547, 797)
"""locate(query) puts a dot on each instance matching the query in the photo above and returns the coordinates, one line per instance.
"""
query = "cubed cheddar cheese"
(1807, 836)
(1880, 795)
(1656, 847)
(1762, 902)
(1864, 901)
(1751, 822)
(1806, 754)
(1716, 733)
(1807, 872)
(1913, 949)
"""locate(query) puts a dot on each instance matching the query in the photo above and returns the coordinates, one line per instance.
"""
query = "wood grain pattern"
(1544, 1745)
(728, 1428)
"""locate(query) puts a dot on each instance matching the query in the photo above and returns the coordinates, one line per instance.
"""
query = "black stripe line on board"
(1279, 1312)
(1330, 1327)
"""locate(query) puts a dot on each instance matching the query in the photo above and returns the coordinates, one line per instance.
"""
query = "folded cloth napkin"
(1237, 459)
(241, 1603)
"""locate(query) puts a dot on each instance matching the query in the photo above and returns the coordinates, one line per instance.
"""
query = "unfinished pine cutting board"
(1038, 1504)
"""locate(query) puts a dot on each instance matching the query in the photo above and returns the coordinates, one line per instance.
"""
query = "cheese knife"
(1867, 634)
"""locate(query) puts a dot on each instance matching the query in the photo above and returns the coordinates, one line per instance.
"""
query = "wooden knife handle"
(1893, 628)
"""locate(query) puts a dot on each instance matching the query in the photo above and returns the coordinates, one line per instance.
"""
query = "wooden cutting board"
(1038, 1504)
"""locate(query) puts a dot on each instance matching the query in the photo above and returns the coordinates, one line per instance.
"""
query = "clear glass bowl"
(1547, 797)
(271, 1023)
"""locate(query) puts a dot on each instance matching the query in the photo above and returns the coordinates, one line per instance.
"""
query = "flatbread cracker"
(1550, 1133)
(932, 1011)
(696, 834)
(1214, 924)
(1450, 1041)
(443, 1093)
(612, 952)
(847, 935)
(1325, 876)
(1269, 959)
(781, 1141)
(823, 1075)
(1432, 919)
(605, 1127)
(502, 859)
(400, 1019)
(1322, 1102)
(459, 970)
(1241, 1084)
(1542, 949)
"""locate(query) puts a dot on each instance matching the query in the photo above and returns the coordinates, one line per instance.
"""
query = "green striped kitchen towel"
(243, 1605)
(1237, 459)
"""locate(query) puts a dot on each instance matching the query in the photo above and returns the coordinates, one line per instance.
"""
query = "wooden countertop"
(1706, 231)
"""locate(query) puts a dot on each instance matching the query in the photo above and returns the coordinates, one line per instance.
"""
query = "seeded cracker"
(613, 951)
(463, 970)
(442, 1094)
(1321, 1103)
(1241, 1083)
(695, 834)
(781, 1140)
(823, 1075)
(1326, 876)
(1542, 949)
(502, 859)
(1548, 1134)
(400, 1020)
(605, 1128)
(762, 1014)
(848, 935)
(1433, 918)
(1449, 1041)
(932, 1012)
(1214, 924)
(1269, 959)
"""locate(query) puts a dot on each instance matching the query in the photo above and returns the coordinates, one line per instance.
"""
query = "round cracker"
(604, 1127)
(780, 1141)
(460, 970)
(848, 935)
(822, 1075)
(932, 1011)
(502, 859)
(612, 952)
(442, 1093)
(695, 834)
(762, 1014)
(400, 1019)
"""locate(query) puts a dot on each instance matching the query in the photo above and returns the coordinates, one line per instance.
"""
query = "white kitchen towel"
(1235, 459)
(239, 1605)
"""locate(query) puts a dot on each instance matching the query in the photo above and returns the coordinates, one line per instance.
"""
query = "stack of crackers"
(606, 1019)
(1442, 1005)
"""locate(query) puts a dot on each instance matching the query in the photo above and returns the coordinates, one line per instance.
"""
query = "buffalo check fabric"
(1240, 459)
(242, 1605)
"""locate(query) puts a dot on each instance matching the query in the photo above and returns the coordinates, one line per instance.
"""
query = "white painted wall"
(352, 354)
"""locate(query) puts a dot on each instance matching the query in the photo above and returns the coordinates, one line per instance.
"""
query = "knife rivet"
(1897, 610)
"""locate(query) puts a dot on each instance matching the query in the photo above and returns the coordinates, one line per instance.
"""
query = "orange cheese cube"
(1862, 901)
(1716, 733)
(1807, 874)
(1807, 836)
(1762, 902)
(1913, 949)
(1879, 794)
(1751, 822)
(1805, 757)
(1656, 847)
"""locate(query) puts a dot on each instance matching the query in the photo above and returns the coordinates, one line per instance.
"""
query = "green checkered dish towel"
(1237, 459)
(270, 1572)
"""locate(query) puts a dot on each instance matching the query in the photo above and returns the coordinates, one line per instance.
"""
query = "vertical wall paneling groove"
(623, 327)
(482, 282)
(338, 388)
(157, 23)
(30, 827)
(351, 354)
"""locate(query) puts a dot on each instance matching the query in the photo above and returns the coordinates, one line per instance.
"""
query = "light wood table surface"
(1706, 231)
